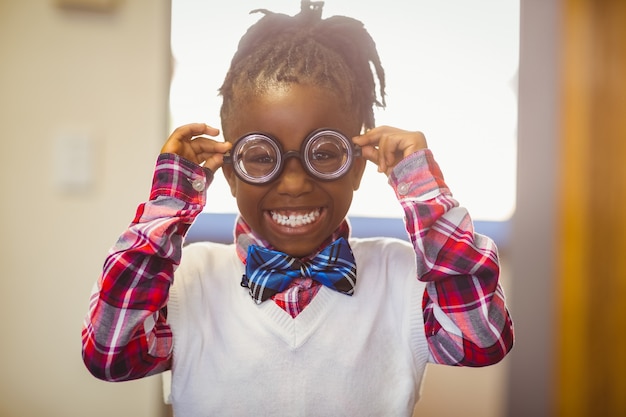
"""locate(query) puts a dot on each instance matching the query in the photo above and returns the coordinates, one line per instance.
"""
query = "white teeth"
(295, 220)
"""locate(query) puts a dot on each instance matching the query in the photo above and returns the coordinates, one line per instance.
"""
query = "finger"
(385, 148)
(201, 144)
(370, 143)
(399, 146)
(370, 153)
(214, 161)
(181, 140)
(191, 130)
(210, 152)
(371, 137)
(391, 147)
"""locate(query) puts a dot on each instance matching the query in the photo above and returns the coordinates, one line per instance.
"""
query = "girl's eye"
(322, 155)
(258, 153)
(326, 152)
(259, 158)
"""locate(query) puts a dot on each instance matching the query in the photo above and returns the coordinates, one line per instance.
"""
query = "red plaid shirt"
(126, 334)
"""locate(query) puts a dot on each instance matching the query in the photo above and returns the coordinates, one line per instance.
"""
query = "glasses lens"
(328, 154)
(256, 158)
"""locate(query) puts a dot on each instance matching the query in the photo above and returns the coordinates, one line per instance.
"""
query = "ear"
(356, 172)
(231, 178)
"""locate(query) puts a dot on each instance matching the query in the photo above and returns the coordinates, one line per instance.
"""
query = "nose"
(294, 180)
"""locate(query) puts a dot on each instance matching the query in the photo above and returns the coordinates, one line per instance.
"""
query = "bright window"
(451, 73)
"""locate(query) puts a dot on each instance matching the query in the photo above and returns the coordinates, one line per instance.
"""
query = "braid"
(335, 53)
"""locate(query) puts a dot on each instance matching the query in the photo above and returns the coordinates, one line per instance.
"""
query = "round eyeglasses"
(258, 158)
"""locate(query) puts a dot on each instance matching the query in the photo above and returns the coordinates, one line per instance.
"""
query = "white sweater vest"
(363, 355)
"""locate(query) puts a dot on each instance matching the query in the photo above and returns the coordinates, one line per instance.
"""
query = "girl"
(295, 317)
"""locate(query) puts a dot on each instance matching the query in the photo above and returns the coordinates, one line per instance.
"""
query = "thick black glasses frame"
(352, 149)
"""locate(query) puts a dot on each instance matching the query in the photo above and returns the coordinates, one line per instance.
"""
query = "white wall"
(106, 75)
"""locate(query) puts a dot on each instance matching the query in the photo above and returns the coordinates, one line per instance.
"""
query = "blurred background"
(86, 102)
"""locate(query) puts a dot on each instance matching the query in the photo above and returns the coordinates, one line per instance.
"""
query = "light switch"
(74, 158)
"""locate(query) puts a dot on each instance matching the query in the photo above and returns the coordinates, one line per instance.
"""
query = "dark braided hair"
(336, 53)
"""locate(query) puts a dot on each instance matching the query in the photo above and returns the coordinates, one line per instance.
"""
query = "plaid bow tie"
(269, 272)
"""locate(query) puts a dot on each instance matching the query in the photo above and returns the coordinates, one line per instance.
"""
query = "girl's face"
(296, 212)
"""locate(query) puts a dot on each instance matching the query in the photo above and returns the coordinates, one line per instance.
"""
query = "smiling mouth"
(295, 219)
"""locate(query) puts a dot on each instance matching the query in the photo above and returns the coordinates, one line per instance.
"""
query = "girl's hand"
(386, 146)
(190, 142)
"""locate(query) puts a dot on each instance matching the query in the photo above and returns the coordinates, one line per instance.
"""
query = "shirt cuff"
(177, 177)
(418, 176)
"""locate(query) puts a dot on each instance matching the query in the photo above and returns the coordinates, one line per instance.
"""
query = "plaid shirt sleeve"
(125, 335)
(466, 320)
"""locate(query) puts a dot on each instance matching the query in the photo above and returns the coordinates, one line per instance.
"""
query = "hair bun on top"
(310, 11)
